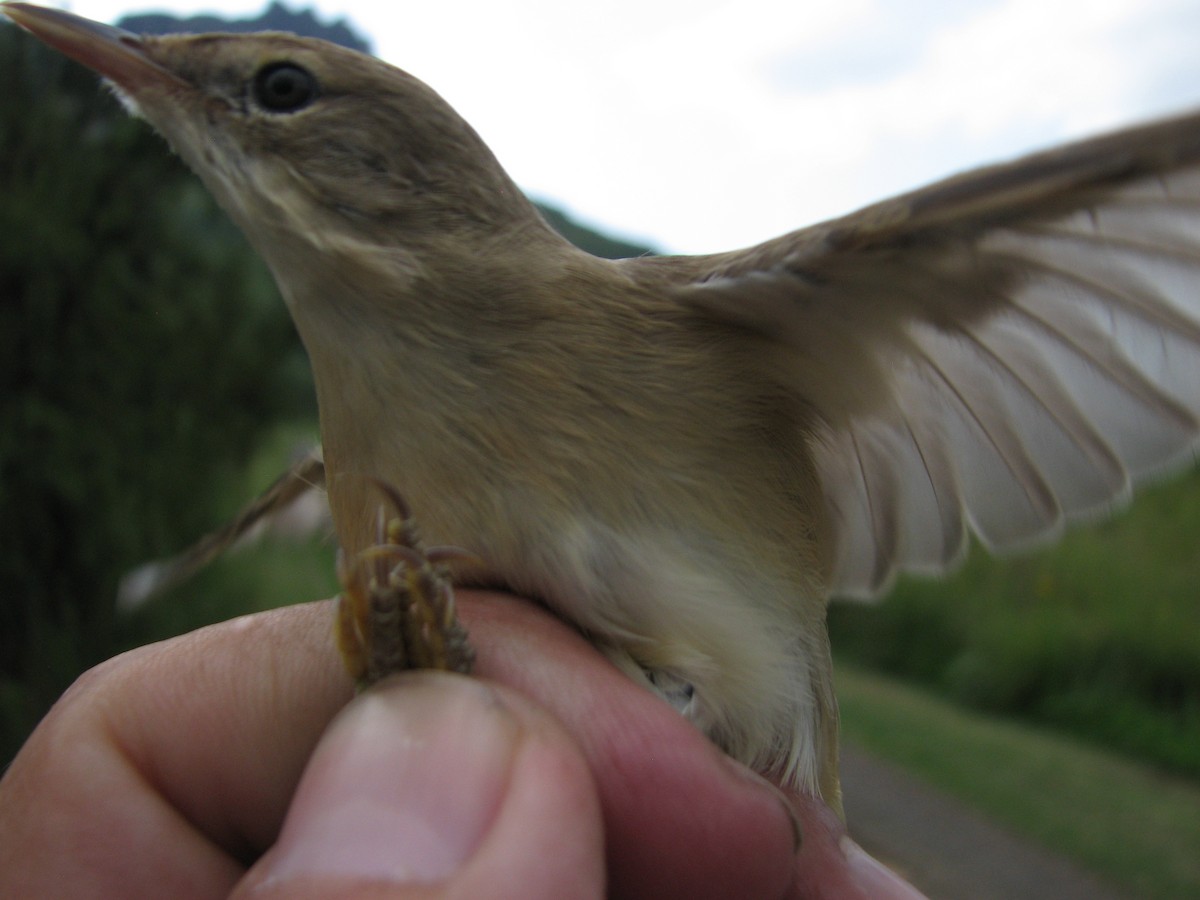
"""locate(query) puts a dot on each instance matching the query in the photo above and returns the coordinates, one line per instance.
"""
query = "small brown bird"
(686, 457)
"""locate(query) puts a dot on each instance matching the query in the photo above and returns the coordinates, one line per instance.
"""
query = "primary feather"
(1002, 352)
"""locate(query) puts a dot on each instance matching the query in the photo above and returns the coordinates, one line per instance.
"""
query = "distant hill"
(594, 242)
(278, 17)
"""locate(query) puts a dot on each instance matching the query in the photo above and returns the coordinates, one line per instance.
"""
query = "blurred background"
(152, 381)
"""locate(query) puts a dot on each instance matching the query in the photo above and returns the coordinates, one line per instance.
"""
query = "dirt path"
(948, 851)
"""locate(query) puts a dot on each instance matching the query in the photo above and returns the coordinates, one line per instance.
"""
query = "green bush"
(142, 349)
(1099, 636)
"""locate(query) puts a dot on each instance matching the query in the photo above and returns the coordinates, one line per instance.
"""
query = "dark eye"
(284, 87)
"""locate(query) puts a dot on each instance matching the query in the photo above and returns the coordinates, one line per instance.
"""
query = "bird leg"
(396, 610)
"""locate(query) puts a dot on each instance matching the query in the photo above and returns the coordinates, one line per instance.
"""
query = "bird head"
(299, 139)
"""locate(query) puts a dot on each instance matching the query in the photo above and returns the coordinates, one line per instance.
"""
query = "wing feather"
(1002, 352)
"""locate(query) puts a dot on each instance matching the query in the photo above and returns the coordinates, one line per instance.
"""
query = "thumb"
(433, 785)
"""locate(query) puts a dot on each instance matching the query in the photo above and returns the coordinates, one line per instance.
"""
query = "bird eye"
(284, 87)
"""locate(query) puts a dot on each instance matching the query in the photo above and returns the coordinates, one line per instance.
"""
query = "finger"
(160, 772)
(435, 785)
(682, 820)
(210, 732)
(831, 866)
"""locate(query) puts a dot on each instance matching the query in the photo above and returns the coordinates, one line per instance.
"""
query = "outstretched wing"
(1002, 351)
(148, 580)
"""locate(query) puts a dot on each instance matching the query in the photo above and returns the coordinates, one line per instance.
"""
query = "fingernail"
(875, 879)
(780, 795)
(403, 786)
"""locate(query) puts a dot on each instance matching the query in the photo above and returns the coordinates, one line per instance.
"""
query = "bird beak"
(117, 55)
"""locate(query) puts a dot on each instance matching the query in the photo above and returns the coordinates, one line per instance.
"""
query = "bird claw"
(396, 610)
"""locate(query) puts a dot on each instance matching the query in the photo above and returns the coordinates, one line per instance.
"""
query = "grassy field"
(1135, 826)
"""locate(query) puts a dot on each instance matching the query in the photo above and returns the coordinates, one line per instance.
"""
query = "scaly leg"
(396, 610)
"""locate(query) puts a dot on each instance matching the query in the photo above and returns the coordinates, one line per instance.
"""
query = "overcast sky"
(702, 125)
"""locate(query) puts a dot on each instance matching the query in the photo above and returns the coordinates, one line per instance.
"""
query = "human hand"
(207, 765)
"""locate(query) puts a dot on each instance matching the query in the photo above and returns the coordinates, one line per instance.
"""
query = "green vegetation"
(1121, 820)
(1099, 636)
(142, 349)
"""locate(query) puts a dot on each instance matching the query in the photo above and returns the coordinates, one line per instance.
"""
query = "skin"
(172, 769)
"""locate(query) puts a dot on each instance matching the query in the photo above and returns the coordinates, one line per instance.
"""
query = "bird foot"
(396, 610)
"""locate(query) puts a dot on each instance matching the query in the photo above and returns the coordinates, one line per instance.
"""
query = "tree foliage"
(142, 348)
